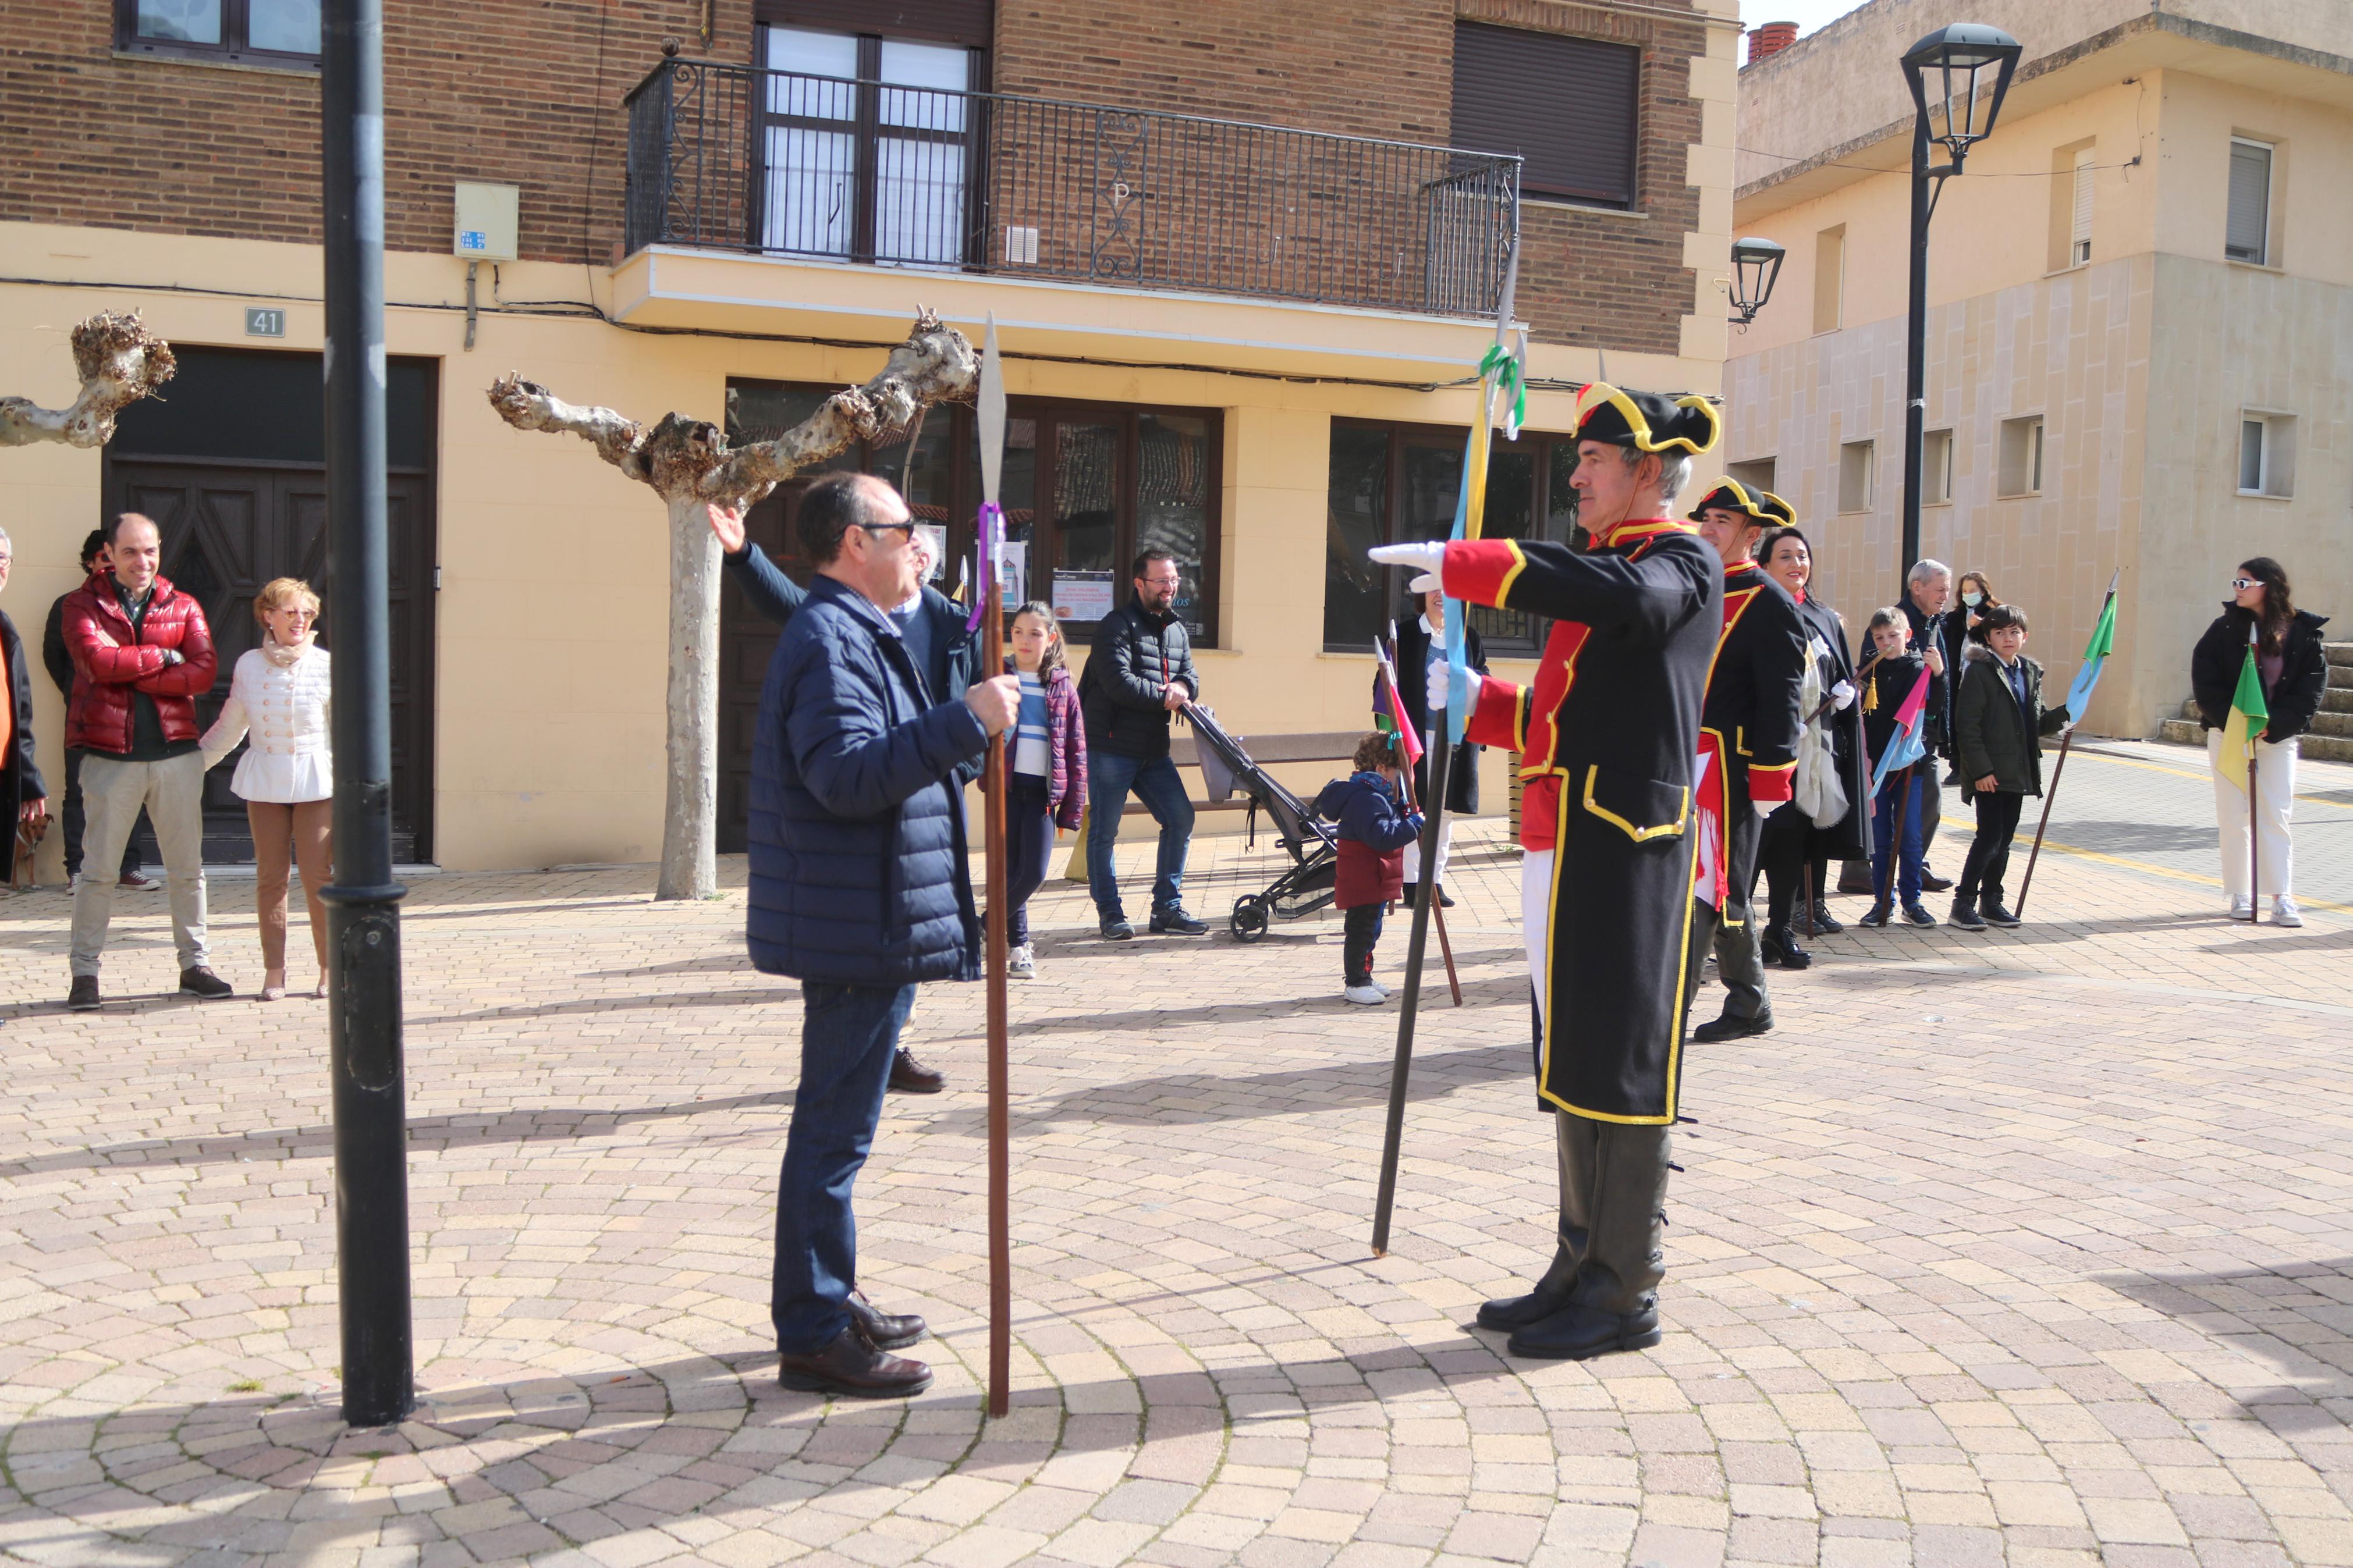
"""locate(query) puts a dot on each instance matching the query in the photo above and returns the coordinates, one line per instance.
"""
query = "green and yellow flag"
(2249, 715)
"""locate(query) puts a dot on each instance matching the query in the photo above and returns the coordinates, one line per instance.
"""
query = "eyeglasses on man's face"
(907, 526)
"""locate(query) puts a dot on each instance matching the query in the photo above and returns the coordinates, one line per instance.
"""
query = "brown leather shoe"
(909, 1076)
(889, 1332)
(853, 1367)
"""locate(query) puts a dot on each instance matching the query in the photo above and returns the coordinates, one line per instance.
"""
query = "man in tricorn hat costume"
(1748, 744)
(1607, 735)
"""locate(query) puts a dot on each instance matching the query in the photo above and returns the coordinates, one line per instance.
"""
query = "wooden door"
(230, 526)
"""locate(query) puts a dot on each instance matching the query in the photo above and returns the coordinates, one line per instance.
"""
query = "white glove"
(1842, 696)
(1425, 556)
(1767, 807)
(1433, 683)
(1470, 691)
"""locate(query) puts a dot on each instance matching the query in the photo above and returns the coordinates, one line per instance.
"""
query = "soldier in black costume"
(1606, 736)
(1748, 738)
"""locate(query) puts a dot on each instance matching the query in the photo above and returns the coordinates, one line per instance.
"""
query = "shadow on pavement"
(2296, 1316)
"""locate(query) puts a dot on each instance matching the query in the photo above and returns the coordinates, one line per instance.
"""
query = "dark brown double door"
(231, 523)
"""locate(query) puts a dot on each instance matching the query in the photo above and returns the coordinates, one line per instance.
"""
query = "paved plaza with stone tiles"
(2026, 1248)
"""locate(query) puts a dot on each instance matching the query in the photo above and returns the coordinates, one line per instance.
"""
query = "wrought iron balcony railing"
(780, 163)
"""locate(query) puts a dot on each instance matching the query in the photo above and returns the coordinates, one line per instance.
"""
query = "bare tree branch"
(119, 361)
(686, 458)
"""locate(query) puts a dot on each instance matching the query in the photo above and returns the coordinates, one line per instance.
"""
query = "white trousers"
(1536, 917)
(1413, 854)
(2275, 799)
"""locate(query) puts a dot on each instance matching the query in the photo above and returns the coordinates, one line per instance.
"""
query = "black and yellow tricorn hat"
(1646, 421)
(1731, 495)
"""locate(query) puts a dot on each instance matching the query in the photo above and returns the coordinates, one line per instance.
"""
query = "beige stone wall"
(2073, 349)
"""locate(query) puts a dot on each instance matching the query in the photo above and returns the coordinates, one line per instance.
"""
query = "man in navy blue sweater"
(858, 890)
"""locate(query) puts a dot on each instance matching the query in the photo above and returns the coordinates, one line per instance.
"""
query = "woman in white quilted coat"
(281, 694)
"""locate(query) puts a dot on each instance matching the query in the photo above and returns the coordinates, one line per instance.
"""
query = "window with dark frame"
(1570, 107)
(870, 147)
(238, 32)
(1116, 477)
(1391, 482)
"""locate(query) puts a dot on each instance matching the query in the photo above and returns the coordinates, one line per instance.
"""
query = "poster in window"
(1082, 596)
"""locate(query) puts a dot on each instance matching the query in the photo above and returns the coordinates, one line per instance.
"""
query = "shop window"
(1085, 487)
(2021, 456)
(247, 32)
(1395, 482)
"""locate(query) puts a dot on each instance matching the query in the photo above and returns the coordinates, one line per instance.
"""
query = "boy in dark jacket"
(1374, 829)
(858, 890)
(1998, 728)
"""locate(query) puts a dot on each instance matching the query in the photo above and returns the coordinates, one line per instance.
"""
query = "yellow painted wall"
(553, 606)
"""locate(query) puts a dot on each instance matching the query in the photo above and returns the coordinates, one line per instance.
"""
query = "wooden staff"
(2254, 844)
(1428, 867)
(1416, 948)
(2026, 883)
(990, 419)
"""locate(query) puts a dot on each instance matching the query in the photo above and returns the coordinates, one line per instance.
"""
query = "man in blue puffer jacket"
(860, 891)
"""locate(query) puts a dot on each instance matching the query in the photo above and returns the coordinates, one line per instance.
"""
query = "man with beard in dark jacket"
(1139, 672)
(858, 890)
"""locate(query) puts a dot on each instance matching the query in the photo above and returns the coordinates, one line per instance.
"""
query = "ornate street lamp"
(1948, 71)
(1756, 264)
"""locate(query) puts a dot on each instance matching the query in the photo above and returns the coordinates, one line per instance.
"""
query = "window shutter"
(2249, 231)
(964, 22)
(1570, 107)
(2080, 239)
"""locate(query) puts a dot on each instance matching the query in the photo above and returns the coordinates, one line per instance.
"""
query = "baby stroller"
(1308, 885)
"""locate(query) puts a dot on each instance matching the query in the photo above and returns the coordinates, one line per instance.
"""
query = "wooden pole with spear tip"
(1500, 370)
(990, 419)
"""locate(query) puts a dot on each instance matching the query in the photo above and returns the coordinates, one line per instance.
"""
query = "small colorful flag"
(2249, 715)
(2095, 655)
(1389, 710)
(1906, 746)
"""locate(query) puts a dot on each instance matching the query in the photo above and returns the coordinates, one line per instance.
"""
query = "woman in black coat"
(1794, 848)
(2295, 673)
(1421, 636)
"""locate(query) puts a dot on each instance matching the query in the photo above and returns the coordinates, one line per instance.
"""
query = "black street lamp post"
(1755, 267)
(1945, 70)
(363, 902)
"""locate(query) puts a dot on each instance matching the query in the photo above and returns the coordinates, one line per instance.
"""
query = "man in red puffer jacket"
(140, 654)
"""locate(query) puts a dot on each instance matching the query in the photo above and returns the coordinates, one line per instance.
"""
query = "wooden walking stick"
(2026, 883)
(991, 421)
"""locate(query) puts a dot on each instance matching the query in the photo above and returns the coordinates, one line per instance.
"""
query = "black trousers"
(1785, 855)
(137, 849)
(1029, 847)
(1361, 927)
(1981, 875)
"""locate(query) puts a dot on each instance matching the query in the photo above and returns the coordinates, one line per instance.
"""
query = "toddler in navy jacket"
(1374, 829)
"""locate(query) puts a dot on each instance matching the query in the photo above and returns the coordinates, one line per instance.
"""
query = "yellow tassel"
(1870, 697)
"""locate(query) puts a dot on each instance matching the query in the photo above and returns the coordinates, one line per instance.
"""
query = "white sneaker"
(1021, 964)
(2284, 911)
(1367, 996)
(1383, 990)
(2243, 907)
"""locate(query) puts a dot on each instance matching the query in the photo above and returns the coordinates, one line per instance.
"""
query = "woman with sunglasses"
(2295, 673)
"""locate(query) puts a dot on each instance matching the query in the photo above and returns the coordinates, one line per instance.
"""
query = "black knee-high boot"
(1614, 1305)
(1579, 1155)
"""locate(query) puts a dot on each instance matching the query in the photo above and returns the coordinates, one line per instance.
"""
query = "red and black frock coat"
(1751, 720)
(1607, 735)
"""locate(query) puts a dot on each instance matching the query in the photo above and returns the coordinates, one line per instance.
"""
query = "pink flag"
(1393, 709)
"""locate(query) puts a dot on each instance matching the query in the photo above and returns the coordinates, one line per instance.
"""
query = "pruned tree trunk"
(119, 361)
(689, 464)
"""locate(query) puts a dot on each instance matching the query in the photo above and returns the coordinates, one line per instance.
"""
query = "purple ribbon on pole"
(991, 529)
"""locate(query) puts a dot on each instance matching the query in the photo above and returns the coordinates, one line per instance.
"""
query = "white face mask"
(1973, 600)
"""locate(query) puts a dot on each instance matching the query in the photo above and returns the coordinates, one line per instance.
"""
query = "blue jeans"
(1902, 793)
(849, 1035)
(1155, 783)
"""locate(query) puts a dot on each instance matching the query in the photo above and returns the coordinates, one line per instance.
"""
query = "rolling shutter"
(964, 22)
(1568, 106)
(2248, 235)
